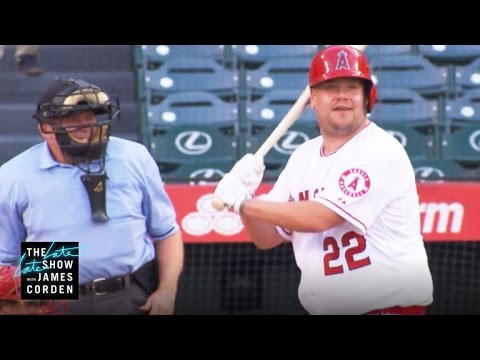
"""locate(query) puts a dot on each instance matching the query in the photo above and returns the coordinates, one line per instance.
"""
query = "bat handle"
(217, 203)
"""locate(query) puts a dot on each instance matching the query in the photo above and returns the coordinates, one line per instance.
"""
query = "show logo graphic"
(49, 270)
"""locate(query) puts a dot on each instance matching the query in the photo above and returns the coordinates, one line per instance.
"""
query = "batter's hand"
(232, 191)
(161, 302)
(250, 170)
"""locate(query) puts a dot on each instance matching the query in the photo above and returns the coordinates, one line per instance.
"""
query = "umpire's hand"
(161, 302)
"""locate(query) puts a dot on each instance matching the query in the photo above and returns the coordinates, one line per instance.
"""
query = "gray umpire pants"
(126, 301)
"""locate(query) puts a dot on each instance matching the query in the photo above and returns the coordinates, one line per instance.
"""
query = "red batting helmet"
(342, 61)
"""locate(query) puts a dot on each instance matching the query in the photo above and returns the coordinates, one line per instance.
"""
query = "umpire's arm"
(163, 229)
(170, 262)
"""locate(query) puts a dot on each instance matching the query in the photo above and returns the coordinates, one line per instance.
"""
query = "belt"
(102, 286)
(397, 310)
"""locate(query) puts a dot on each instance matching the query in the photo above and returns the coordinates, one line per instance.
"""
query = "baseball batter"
(347, 201)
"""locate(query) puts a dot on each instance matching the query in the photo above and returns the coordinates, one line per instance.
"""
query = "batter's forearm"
(263, 235)
(303, 216)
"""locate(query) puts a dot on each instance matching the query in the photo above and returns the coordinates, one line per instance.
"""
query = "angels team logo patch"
(354, 182)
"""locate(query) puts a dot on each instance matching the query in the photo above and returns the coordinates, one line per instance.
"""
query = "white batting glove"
(232, 192)
(250, 170)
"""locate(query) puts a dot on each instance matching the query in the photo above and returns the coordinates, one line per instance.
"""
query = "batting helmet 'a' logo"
(290, 141)
(354, 182)
(342, 61)
(193, 142)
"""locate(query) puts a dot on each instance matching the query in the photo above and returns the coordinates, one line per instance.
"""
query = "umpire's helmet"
(67, 96)
(342, 61)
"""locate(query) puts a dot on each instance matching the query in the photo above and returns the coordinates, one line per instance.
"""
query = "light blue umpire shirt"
(43, 200)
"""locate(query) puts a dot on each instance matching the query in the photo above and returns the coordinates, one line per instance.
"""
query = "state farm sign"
(449, 211)
(441, 217)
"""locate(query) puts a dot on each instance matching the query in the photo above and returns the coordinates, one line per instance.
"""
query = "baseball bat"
(292, 115)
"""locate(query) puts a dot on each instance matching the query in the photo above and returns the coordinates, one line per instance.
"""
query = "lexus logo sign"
(402, 139)
(475, 140)
(290, 141)
(427, 171)
(206, 176)
(193, 142)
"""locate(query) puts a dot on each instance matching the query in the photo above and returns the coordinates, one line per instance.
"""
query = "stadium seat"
(12, 145)
(191, 108)
(287, 74)
(462, 145)
(255, 55)
(156, 55)
(192, 131)
(194, 146)
(387, 50)
(465, 109)
(417, 144)
(450, 54)
(166, 52)
(403, 106)
(412, 72)
(438, 169)
(468, 77)
(275, 104)
(179, 75)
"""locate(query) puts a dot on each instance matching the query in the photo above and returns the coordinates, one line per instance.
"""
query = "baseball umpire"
(82, 185)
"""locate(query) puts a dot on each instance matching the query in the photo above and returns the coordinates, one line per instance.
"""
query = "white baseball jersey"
(376, 259)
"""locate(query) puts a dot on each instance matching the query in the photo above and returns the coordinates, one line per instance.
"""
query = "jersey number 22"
(331, 244)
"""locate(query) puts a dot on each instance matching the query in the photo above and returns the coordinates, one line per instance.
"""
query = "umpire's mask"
(66, 97)
(82, 137)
